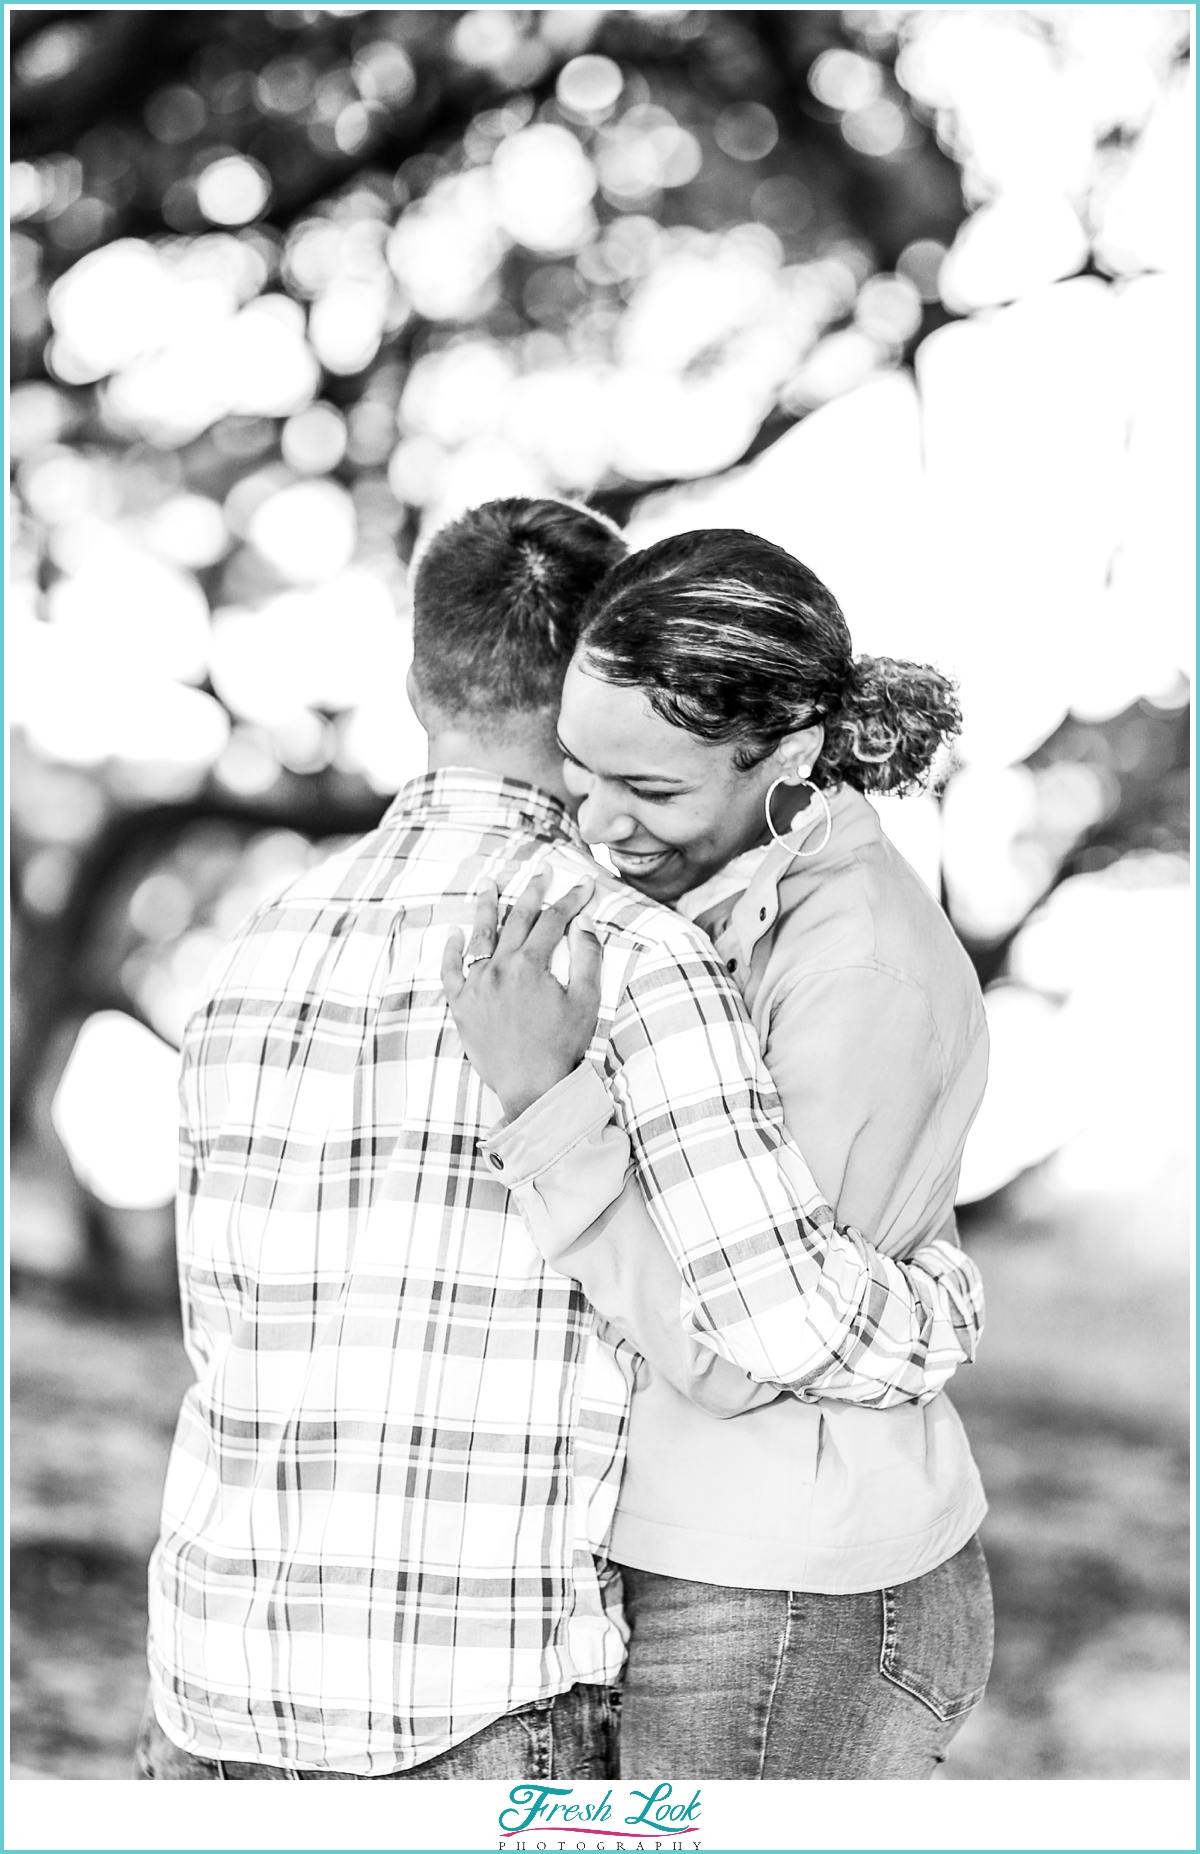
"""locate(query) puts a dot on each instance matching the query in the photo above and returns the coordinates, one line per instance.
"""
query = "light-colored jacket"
(872, 1025)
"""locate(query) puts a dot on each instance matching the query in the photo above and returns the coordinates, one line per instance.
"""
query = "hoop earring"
(816, 790)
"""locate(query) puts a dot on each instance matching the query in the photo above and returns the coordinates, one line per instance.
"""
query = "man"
(389, 1491)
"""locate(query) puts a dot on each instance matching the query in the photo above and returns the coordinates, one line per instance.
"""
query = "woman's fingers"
(554, 921)
(529, 926)
(482, 943)
(523, 913)
(583, 985)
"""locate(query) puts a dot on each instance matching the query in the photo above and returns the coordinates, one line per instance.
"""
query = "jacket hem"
(824, 1570)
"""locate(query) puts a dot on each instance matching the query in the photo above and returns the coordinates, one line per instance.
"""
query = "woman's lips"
(639, 862)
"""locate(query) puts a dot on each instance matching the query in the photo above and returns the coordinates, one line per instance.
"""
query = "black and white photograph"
(599, 631)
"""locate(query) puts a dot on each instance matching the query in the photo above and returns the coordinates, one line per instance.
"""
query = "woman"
(806, 1594)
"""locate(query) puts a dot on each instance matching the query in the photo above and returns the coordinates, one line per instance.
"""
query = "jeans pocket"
(611, 1702)
(537, 1722)
(937, 1634)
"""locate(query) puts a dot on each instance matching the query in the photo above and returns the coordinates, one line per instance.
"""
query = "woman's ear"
(797, 753)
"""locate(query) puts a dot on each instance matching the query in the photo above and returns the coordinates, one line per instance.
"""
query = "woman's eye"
(652, 798)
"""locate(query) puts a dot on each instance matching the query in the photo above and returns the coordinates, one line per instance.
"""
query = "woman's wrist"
(519, 1094)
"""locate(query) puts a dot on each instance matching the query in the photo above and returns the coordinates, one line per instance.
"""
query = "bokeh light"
(544, 184)
(233, 190)
(314, 441)
(589, 86)
(115, 1112)
(746, 131)
(306, 531)
(446, 249)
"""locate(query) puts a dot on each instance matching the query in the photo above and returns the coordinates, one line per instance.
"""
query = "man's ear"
(412, 689)
(797, 753)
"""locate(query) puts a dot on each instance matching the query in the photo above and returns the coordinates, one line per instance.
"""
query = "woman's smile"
(639, 863)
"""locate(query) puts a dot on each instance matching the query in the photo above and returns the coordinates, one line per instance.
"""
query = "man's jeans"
(573, 1735)
(771, 1684)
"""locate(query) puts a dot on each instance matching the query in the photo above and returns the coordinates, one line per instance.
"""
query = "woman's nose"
(600, 820)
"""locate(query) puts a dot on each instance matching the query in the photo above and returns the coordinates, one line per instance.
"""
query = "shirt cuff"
(559, 1120)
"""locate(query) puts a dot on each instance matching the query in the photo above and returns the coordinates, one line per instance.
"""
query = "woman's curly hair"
(893, 719)
(734, 639)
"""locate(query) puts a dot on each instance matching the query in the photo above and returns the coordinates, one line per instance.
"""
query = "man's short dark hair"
(497, 600)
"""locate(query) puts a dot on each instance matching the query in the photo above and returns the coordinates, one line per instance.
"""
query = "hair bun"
(892, 719)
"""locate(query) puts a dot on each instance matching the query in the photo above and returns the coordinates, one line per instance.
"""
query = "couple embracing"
(568, 1260)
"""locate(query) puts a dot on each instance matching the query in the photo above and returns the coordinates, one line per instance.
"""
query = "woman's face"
(670, 808)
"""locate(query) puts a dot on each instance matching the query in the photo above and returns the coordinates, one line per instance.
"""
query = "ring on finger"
(474, 959)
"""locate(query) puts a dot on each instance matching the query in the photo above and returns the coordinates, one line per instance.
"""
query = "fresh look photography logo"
(545, 1815)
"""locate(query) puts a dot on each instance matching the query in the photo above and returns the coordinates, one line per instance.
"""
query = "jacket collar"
(770, 880)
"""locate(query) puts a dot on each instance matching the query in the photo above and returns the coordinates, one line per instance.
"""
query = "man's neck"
(503, 757)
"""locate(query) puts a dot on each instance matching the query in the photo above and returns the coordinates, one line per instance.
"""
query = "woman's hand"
(522, 1030)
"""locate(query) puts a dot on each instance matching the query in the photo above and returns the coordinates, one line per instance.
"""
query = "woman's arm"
(881, 1107)
(878, 1102)
(768, 1280)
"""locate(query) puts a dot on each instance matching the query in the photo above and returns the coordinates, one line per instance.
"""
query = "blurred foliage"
(354, 120)
(358, 127)
(288, 284)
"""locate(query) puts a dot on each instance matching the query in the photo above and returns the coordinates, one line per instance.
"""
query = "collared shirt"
(390, 1483)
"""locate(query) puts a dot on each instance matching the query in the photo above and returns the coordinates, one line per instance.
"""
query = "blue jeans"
(573, 1735)
(772, 1684)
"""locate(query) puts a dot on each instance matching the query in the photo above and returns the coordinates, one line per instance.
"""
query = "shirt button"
(733, 965)
(762, 914)
(495, 1160)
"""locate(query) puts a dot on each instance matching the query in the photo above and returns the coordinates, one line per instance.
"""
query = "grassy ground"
(1078, 1412)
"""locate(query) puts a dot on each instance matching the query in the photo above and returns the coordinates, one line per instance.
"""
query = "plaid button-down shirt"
(390, 1487)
